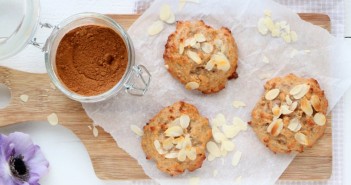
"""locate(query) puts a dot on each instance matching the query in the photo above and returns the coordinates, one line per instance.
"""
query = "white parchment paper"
(327, 62)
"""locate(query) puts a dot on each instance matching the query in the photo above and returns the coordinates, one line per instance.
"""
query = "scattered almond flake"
(199, 37)
(184, 121)
(294, 125)
(213, 149)
(194, 180)
(301, 138)
(236, 158)
(175, 122)
(174, 131)
(219, 120)
(219, 137)
(24, 98)
(316, 102)
(293, 36)
(191, 154)
(293, 53)
(165, 12)
(272, 94)
(228, 145)
(89, 127)
(211, 157)
(167, 144)
(52, 86)
(181, 48)
(223, 151)
(303, 92)
(166, 66)
(155, 28)
(214, 128)
(221, 61)
(238, 180)
(215, 172)
(194, 56)
(296, 89)
(267, 13)
(187, 141)
(178, 140)
(230, 131)
(276, 111)
(53, 119)
(238, 104)
(264, 76)
(319, 119)
(306, 107)
(192, 85)
(181, 155)
(288, 100)
(238, 122)
(171, 155)
(207, 47)
(210, 64)
(197, 46)
(265, 59)
(95, 131)
(285, 110)
(137, 130)
(262, 28)
(218, 43)
(275, 127)
(293, 106)
(171, 19)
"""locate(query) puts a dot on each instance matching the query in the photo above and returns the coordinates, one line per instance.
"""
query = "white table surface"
(69, 161)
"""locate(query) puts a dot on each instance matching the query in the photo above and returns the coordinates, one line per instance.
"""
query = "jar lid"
(19, 20)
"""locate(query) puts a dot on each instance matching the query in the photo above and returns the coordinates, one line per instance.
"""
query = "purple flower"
(21, 162)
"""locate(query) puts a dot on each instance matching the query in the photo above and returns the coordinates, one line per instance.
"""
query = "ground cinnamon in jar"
(91, 59)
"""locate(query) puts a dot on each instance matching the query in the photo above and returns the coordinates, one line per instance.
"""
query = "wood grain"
(109, 161)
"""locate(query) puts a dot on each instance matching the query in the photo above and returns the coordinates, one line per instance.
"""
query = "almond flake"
(211, 157)
(184, 121)
(210, 64)
(230, 131)
(272, 94)
(95, 132)
(194, 180)
(181, 155)
(187, 141)
(174, 131)
(288, 100)
(197, 46)
(293, 106)
(294, 125)
(213, 149)
(171, 155)
(24, 98)
(296, 89)
(136, 130)
(228, 145)
(284, 109)
(224, 152)
(316, 102)
(223, 48)
(275, 127)
(303, 92)
(194, 56)
(276, 111)
(207, 47)
(236, 158)
(239, 123)
(219, 137)
(167, 144)
(155, 28)
(238, 104)
(199, 37)
(192, 85)
(301, 138)
(219, 120)
(181, 48)
(190, 42)
(53, 119)
(319, 119)
(157, 144)
(191, 154)
(265, 60)
(171, 19)
(262, 28)
(165, 12)
(306, 107)
(178, 140)
(221, 61)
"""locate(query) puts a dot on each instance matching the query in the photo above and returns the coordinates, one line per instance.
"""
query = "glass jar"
(136, 78)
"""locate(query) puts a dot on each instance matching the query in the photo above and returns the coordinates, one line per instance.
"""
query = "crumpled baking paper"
(327, 62)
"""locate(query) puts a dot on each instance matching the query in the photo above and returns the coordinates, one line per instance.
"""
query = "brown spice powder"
(91, 59)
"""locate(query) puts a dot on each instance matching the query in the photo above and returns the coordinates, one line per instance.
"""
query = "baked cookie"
(201, 57)
(291, 115)
(176, 138)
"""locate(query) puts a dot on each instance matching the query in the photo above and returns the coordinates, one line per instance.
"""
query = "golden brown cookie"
(176, 138)
(201, 57)
(291, 114)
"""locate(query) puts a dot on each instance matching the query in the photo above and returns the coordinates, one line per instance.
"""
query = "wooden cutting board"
(109, 161)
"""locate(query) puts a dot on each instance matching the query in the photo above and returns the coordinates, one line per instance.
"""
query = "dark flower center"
(18, 168)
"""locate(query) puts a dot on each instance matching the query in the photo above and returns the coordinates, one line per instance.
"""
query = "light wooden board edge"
(44, 100)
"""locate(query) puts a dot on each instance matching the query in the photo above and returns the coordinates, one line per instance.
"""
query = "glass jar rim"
(50, 66)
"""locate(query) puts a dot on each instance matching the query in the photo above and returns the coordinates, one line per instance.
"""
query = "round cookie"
(291, 115)
(176, 138)
(201, 57)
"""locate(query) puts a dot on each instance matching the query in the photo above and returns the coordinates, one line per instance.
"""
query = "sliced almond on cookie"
(171, 155)
(174, 131)
(184, 121)
(296, 89)
(199, 37)
(316, 102)
(181, 155)
(207, 47)
(191, 154)
(275, 127)
(288, 100)
(192, 85)
(294, 125)
(210, 64)
(303, 92)
(181, 48)
(306, 107)
(167, 144)
(276, 111)
(221, 61)
(272, 94)
(194, 56)
(284, 109)
(301, 138)
(293, 106)
(320, 119)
